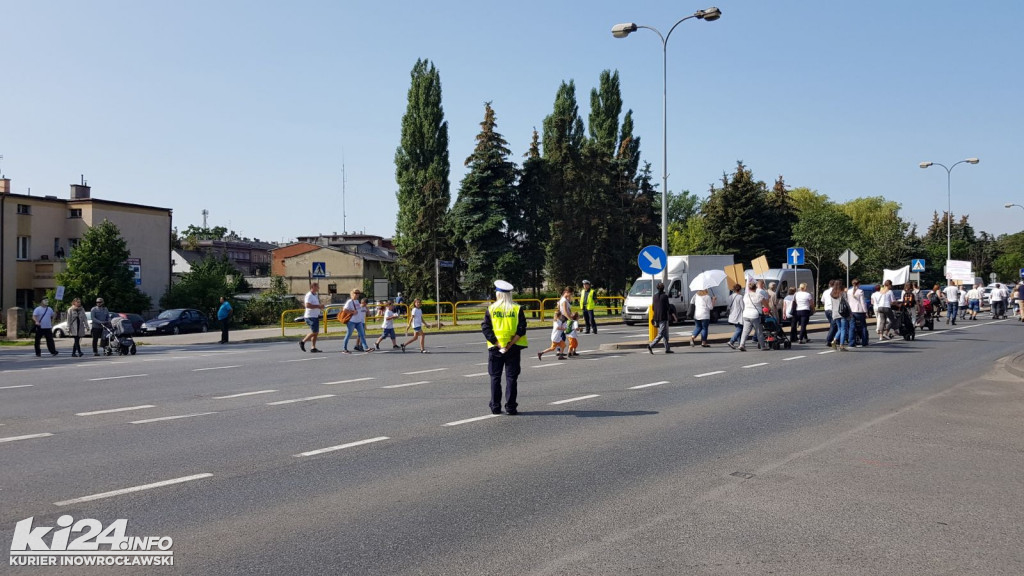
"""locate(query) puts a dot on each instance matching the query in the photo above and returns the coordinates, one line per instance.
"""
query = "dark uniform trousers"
(510, 362)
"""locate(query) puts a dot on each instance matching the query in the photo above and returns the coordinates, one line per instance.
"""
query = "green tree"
(736, 214)
(781, 217)
(563, 150)
(486, 204)
(531, 227)
(201, 288)
(824, 232)
(97, 268)
(692, 238)
(1009, 258)
(422, 168)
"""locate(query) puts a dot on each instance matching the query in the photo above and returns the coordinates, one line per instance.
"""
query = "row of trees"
(582, 204)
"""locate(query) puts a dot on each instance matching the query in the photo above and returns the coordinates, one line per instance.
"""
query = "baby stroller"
(118, 337)
(904, 325)
(926, 315)
(775, 337)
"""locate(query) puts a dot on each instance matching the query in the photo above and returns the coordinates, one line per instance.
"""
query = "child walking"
(388, 327)
(572, 332)
(557, 337)
(416, 322)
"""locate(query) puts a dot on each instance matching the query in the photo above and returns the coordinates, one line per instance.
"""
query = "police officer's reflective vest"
(587, 299)
(504, 322)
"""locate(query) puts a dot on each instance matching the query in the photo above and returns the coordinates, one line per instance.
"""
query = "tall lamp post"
(949, 205)
(625, 29)
(1008, 205)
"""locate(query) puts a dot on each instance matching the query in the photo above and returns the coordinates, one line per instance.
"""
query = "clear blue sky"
(246, 108)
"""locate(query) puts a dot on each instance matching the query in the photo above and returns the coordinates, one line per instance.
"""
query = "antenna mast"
(205, 214)
(344, 226)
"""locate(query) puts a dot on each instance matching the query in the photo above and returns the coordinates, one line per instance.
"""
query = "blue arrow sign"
(1022, 272)
(795, 256)
(652, 260)
(917, 265)
(319, 270)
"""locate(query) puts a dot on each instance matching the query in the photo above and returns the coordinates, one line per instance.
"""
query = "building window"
(58, 250)
(23, 247)
(72, 244)
(75, 213)
(24, 209)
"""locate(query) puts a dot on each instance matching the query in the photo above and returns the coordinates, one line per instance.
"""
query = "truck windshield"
(641, 288)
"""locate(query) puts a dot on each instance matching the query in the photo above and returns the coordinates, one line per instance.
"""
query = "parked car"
(176, 321)
(60, 329)
(330, 313)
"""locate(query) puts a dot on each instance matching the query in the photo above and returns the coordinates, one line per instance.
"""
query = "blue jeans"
(701, 327)
(736, 334)
(842, 326)
(360, 329)
(859, 328)
(952, 309)
(832, 327)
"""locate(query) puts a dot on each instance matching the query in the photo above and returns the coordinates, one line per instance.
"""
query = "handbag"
(345, 315)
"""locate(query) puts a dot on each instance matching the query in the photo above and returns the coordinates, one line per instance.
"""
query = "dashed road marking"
(756, 365)
(18, 386)
(113, 410)
(475, 375)
(147, 421)
(407, 384)
(304, 359)
(26, 437)
(648, 385)
(349, 381)
(216, 368)
(468, 420)
(548, 365)
(342, 446)
(240, 394)
(566, 401)
(709, 373)
(826, 352)
(133, 489)
(118, 377)
(793, 358)
(423, 371)
(292, 401)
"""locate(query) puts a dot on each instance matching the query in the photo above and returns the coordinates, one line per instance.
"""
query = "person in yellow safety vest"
(504, 328)
(587, 304)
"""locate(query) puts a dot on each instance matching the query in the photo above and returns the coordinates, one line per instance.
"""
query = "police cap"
(502, 286)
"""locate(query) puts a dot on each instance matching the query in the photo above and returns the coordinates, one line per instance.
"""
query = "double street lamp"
(949, 209)
(625, 29)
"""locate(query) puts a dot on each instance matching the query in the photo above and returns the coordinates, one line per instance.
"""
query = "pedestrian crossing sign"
(319, 270)
(917, 265)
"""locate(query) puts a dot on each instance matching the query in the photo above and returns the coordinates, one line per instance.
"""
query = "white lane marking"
(322, 396)
(349, 381)
(481, 364)
(112, 410)
(826, 352)
(172, 418)
(18, 386)
(648, 385)
(133, 489)
(548, 365)
(304, 359)
(475, 375)
(26, 437)
(793, 358)
(468, 420)
(118, 377)
(709, 373)
(240, 394)
(756, 365)
(342, 446)
(216, 368)
(407, 384)
(587, 397)
(423, 371)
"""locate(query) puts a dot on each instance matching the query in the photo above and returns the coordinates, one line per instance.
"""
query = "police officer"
(504, 327)
(587, 300)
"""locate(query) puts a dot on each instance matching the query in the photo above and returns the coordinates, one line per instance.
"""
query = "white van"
(681, 269)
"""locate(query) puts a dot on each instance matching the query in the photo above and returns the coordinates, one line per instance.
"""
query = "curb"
(719, 338)
(1015, 365)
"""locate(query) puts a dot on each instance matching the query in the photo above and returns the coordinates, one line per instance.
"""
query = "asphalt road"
(901, 458)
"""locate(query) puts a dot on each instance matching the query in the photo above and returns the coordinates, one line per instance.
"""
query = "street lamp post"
(1009, 205)
(625, 29)
(949, 205)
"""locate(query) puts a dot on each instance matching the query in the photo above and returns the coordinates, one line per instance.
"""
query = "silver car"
(60, 329)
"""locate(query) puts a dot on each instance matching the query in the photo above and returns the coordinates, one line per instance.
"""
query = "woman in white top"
(753, 303)
(789, 313)
(804, 307)
(736, 314)
(356, 323)
(702, 306)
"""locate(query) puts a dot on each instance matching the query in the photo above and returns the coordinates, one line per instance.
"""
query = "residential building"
(38, 233)
(347, 264)
(250, 257)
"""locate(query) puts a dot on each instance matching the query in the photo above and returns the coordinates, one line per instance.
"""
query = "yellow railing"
(612, 305)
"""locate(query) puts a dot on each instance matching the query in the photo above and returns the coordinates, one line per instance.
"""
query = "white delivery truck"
(681, 270)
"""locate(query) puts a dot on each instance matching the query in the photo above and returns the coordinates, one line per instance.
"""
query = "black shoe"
(314, 350)
(493, 411)
(302, 344)
(403, 347)
(649, 349)
(54, 353)
(670, 351)
(510, 412)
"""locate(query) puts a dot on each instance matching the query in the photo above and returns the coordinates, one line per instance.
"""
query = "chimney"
(5, 185)
(80, 192)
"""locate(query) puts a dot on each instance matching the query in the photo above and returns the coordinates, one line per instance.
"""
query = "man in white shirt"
(859, 311)
(43, 317)
(826, 303)
(312, 317)
(974, 301)
(952, 294)
(997, 302)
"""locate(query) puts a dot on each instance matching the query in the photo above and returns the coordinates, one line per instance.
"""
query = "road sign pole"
(437, 287)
